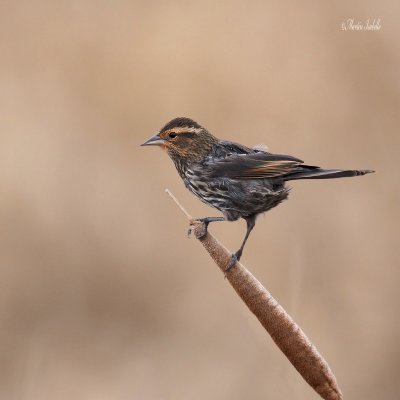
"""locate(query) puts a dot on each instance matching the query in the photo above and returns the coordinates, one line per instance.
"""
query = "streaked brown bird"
(239, 181)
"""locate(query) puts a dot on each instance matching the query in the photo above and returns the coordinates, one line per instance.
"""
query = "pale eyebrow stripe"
(183, 129)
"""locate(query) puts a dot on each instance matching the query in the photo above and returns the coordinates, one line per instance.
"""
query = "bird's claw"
(232, 263)
(198, 227)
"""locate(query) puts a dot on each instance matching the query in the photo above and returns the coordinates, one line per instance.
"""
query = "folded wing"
(259, 165)
(263, 165)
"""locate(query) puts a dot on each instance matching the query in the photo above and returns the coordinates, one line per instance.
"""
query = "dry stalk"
(277, 322)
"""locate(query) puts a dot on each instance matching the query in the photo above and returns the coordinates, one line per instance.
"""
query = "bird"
(239, 181)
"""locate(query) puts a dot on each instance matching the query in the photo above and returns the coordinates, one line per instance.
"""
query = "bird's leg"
(205, 221)
(251, 221)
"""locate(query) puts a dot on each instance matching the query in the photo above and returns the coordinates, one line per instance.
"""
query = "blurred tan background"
(102, 296)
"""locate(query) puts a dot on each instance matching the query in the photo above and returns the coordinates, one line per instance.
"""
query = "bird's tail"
(309, 172)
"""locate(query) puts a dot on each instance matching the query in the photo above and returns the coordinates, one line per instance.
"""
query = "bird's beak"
(154, 141)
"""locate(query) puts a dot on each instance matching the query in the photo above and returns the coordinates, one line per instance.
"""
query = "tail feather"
(319, 173)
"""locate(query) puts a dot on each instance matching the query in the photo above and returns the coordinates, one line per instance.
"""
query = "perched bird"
(239, 181)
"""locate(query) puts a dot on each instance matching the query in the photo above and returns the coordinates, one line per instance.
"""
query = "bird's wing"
(259, 165)
(230, 148)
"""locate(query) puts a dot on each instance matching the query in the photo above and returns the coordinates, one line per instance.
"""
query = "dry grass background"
(101, 294)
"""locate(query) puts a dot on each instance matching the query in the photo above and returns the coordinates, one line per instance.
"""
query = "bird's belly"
(238, 198)
(208, 194)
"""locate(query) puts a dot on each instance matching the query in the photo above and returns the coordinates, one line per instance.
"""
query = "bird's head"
(184, 140)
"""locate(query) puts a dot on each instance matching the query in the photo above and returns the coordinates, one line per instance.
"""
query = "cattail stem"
(277, 322)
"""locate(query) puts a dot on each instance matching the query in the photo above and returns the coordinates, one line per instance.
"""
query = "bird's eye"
(172, 135)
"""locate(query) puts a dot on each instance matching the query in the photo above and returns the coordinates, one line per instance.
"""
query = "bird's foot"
(232, 262)
(199, 227)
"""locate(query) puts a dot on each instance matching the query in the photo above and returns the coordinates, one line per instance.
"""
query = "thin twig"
(188, 216)
(284, 331)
